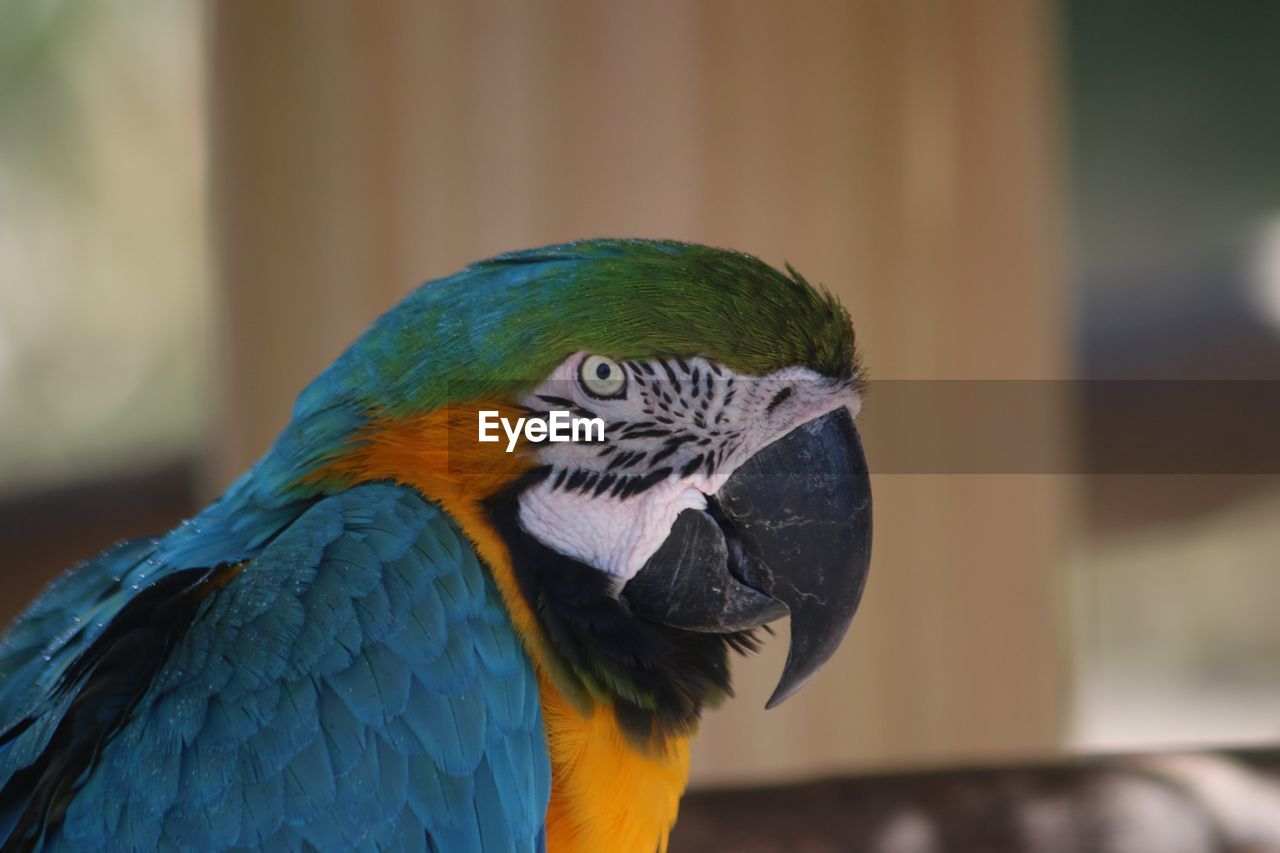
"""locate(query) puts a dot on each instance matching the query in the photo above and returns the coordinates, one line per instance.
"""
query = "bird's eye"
(602, 377)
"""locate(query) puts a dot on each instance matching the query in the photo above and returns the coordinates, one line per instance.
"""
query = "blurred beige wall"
(899, 152)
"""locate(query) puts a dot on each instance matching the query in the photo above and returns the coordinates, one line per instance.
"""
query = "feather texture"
(353, 685)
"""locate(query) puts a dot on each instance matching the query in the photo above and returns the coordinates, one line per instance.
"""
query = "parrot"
(389, 634)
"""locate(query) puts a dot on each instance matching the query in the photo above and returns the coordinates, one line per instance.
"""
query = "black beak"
(788, 533)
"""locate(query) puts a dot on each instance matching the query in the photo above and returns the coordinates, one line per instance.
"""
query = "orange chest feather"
(606, 794)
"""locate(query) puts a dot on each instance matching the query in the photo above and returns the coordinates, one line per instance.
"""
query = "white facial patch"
(673, 434)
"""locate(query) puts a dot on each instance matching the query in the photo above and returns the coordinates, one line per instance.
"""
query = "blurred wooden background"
(899, 151)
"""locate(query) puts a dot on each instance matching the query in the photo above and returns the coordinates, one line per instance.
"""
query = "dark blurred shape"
(1139, 804)
(1174, 177)
(1200, 322)
(45, 533)
(1173, 135)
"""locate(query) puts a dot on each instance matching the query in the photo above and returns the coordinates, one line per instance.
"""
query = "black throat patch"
(657, 678)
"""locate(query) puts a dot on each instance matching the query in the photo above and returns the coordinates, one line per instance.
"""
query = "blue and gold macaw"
(390, 634)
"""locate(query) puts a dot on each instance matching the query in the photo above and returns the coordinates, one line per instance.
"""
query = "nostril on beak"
(778, 400)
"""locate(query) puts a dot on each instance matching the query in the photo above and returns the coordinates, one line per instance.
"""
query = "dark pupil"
(602, 371)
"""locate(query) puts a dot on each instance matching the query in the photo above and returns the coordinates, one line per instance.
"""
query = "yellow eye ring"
(602, 377)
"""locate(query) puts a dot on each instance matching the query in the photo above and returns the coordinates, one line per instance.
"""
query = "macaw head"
(712, 480)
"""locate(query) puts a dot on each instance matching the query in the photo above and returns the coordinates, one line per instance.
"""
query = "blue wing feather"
(356, 685)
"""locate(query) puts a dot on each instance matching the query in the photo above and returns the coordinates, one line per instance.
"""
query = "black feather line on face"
(702, 414)
(655, 432)
(671, 375)
(645, 482)
(690, 467)
(657, 678)
(605, 482)
(664, 453)
(778, 399)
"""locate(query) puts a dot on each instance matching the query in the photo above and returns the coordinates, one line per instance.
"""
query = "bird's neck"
(611, 790)
(621, 698)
